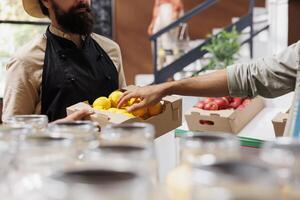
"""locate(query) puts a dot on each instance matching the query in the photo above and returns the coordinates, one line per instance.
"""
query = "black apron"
(72, 75)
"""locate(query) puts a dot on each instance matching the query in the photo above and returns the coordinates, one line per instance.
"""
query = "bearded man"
(65, 65)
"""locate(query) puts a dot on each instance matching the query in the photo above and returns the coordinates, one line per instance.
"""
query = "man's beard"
(81, 23)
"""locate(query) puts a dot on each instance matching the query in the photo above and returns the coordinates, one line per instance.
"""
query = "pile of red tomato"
(223, 103)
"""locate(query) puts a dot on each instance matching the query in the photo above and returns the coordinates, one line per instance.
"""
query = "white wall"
(278, 19)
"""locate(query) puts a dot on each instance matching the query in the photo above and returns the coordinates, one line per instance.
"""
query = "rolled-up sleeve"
(267, 77)
(21, 92)
(116, 57)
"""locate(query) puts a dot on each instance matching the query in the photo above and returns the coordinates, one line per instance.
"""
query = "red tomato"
(205, 122)
(211, 106)
(236, 103)
(200, 105)
(209, 99)
(222, 103)
(246, 102)
(237, 99)
(228, 98)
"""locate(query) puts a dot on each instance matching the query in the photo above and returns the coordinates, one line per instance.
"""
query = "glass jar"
(199, 149)
(117, 169)
(127, 144)
(43, 153)
(207, 148)
(85, 133)
(234, 180)
(134, 135)
(37, 122)
(9, 150)
(92, 181)
(60, 145)
(283, 155)
(135, 141)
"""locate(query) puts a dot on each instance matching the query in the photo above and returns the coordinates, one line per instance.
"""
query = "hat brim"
(33, 8)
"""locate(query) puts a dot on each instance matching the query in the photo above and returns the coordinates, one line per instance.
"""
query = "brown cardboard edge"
(279, 123)
(240, 118)
(231, 125)
(174, 104)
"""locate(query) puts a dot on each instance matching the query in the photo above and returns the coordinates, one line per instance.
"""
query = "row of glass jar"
(72, 160)
(214, 167)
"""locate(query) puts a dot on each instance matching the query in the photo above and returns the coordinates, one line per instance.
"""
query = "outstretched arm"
(214, 84)
(268, 77)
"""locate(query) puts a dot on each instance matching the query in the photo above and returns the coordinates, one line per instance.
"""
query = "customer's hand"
(149, 95)
(78, 115)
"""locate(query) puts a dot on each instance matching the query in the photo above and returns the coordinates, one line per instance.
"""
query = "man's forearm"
(214, 85)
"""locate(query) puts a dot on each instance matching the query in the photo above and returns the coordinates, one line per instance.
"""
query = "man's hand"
(78, 115)
(209, 85)
(149, 95)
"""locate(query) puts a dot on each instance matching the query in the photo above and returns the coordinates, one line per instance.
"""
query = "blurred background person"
(164, 13)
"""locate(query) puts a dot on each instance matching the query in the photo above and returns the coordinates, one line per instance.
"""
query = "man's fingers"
(80, 114)
(137, 106)
(124, 98)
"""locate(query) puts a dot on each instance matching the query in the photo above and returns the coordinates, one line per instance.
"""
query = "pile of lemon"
(110, 104)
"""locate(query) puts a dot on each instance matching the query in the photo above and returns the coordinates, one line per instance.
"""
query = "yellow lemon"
(131, 101)
(114, 110)
(114, 98)
(142, 112)
(99, 108)
(129, 115)
(102, 103)
(155, 110)
(121, 111)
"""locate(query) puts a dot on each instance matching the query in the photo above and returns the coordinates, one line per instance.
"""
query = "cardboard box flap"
(279, 123)
(77, 107)
(115, 118)
(176, 101)
(99, 114)
(221, 113)
(280, 117)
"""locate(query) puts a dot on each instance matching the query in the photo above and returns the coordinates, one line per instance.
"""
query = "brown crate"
(230, 121)
(279, 122)
(169, 119)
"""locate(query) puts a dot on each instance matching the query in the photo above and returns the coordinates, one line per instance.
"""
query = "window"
(16, 29)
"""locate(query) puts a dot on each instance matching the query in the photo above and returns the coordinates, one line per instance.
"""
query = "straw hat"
(32, 7)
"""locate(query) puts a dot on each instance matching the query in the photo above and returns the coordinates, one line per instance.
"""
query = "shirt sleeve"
(267, 77)
(116, 57)
(21, 94)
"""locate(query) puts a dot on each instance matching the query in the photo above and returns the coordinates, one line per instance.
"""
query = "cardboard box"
(169, 119)
(230, 121)
(279, 122)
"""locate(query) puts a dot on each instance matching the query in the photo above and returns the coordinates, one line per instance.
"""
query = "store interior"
(150, 100)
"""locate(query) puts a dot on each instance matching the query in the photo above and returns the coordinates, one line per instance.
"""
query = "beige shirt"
(22, 93)
(267, 77)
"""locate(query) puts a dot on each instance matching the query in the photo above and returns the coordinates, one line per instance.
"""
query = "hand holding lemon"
(110, 104)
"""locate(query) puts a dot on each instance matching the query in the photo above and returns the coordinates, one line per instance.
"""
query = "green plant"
(223, 47)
